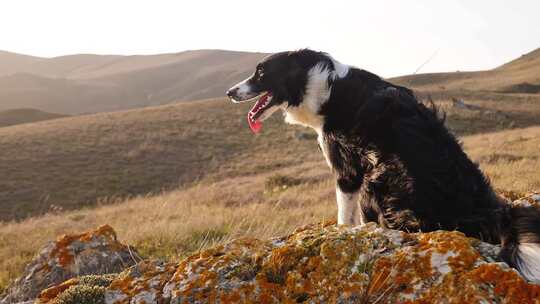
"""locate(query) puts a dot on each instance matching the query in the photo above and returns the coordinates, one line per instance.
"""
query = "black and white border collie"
(394, 161)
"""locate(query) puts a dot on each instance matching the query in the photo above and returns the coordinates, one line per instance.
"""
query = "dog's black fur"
(411, 173)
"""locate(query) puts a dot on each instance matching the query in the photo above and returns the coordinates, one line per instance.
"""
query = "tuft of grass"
(182, 246)
(279, 182)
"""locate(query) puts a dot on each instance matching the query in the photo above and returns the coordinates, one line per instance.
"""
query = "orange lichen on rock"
(142, 283)
(94, 252)
(329, 264)
(506, 283)
(61, 250)
(318, 262)
(412, 272)
(64, 254)
(52, 292)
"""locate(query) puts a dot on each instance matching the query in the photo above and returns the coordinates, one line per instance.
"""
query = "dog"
(394, 161)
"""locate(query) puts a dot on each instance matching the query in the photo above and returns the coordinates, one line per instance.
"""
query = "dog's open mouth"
(259, 112)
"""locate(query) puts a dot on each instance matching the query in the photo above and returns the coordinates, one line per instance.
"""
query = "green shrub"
(89, 290)
(82, 294)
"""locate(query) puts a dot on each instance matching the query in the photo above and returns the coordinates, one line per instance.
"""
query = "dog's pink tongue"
(256, 125)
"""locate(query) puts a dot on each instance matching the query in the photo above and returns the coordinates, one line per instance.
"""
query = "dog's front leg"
(349, 212)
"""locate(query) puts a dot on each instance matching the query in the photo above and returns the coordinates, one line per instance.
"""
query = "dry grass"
(74, 162)
(225, 182)
(178, 223)
(69, 163)
(489, 113)
(511, 159)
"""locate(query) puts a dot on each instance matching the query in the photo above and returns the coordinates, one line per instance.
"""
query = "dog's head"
(285, 80)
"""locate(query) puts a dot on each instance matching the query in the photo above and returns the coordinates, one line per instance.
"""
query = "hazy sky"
(387, 37)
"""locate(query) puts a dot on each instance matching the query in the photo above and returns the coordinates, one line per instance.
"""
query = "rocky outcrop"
(321, 264)
(70, 256)
(529, 200)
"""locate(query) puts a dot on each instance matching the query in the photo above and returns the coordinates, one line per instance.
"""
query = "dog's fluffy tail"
(521, 240)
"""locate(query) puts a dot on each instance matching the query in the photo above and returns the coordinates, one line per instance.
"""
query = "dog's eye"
(260, 73)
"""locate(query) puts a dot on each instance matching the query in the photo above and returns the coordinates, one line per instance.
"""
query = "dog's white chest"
(303, 116)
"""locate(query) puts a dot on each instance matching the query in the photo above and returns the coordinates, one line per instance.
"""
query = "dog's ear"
(295, 82)
(296, 86)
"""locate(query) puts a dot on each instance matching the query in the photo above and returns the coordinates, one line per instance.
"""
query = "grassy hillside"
(266, 200)
(21, 116)
(518, 76)
(77, 161)
(94, 83)
(70, 162)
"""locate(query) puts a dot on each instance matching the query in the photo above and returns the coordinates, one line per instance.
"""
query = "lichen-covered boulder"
(70, 256)
(328, 264)
(350, 265)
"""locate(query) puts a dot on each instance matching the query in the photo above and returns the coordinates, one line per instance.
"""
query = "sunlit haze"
(387, 37)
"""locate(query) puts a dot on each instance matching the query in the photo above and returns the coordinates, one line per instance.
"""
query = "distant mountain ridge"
(87, 83)
(99, 83)
(21, 116)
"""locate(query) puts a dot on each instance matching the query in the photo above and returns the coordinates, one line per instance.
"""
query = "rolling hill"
(94, 83)
(89, 83)
(521, 75)
(77, 161)
(21, 116)
(84, 160)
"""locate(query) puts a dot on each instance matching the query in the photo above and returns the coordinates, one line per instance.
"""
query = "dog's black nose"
(232, 92)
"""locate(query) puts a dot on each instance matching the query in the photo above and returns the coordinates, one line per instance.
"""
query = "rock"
(325, 264)
(94, 252)
(530, 199)
(459, 103)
